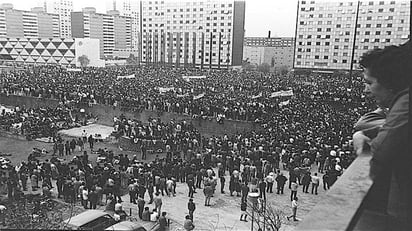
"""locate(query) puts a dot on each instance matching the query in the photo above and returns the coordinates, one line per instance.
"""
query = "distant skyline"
(278, 16)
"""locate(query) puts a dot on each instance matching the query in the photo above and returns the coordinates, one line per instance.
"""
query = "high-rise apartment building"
(277, 51)
(113, 30)
(129, 8)
(63, 8)
(35, 23)
(331, 35)
(205, 34)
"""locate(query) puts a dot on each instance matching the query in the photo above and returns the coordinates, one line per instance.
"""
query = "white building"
(34, 23)
(205, 34)
(326, 31)
(129, 8)
(112, 30)
(276, 51)
(63, 8)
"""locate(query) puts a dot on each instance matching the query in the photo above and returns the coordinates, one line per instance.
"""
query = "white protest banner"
(199, 96)
(281, 93)
(187, 78)
(126, 77)
(165, 89)
(181, 96)
(74, 69)
(284, 103)
(257, 96)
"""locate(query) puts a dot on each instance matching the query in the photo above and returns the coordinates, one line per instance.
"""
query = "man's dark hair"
(391, 66)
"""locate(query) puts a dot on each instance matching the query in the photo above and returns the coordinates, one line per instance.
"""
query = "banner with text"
(126, 76)
(281, 93)
(199, 96)
(188, 78)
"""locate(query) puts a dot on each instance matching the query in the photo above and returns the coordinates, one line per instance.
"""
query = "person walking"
(162, 222)
(208, 191)
(158, 202)
(280, 182)
(315, 183)
(93, 198)
(140, 206)
(294, 209)
(191, 206)
(306, 182)
(325, 179)
(262, 189)
(293, 190)
(269, 181)
(245, 191)
(243, 214)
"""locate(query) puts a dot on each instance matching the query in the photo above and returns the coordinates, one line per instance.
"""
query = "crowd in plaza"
(37, 122)
(230, 94)
(311, 127)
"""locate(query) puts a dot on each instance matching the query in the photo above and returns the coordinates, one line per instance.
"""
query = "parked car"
(126, 226)
(90, 220)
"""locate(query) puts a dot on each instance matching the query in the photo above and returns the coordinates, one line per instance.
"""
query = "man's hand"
(360, 140)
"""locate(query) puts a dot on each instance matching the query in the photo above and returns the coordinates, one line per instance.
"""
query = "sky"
(277, 16)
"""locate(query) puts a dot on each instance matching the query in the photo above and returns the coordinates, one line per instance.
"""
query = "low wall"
(12, 135)
(106, 113)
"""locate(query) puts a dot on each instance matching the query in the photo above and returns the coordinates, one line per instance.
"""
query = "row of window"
(185, 22)
(370, 3)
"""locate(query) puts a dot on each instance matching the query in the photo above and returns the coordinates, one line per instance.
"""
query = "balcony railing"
(356, 203)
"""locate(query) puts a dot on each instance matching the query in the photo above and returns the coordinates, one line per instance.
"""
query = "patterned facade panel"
(40, 50)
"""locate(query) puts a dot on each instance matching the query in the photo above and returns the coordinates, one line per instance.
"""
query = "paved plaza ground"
(223, 214)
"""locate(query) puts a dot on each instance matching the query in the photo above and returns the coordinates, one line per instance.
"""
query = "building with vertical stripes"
(275, 51)
(34, 24)
(128, 8)
(333, 35)
(205, 34)
(63, 8)
(113, 31)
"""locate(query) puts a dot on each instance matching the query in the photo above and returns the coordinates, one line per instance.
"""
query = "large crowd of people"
(312, 126)
(231, 94)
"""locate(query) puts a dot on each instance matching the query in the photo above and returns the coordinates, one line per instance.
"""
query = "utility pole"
(353, 45)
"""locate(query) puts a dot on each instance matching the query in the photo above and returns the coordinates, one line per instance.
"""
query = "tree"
(84, 60)
(264, 67)
(132, 60)
(264, 214)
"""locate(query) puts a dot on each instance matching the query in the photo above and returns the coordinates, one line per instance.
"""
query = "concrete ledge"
(12, 135)
(339, 208)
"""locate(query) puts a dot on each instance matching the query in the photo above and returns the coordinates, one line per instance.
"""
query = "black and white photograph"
(209, 115)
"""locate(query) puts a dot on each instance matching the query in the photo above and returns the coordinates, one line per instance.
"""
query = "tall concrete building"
(63, 8)
(277, 52)
(35, 23)
(205, 34)
(129, 8)
(332, 35)
(113, 30)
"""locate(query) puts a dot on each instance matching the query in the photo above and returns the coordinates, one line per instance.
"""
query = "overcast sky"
(278, 16)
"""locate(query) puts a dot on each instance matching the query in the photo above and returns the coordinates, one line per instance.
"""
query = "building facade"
(277, 52)
(113, 30)
(35, 23)
(332, 35)
(41, 51)
(129, 8)
(63, 9)
(205, 34)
